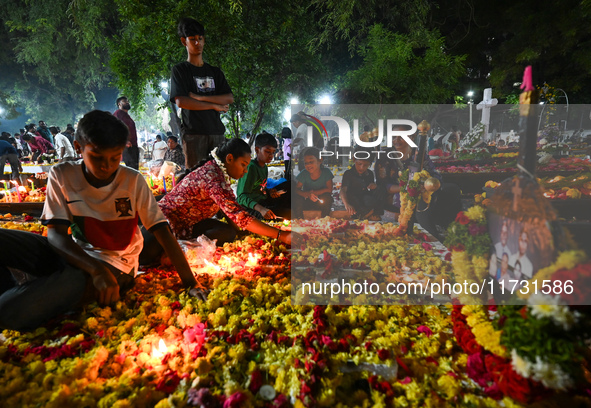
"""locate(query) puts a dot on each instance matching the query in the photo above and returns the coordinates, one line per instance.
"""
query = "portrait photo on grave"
(519, 249)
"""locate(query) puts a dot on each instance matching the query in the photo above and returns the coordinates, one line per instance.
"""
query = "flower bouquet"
(411, 191)
(469, 242)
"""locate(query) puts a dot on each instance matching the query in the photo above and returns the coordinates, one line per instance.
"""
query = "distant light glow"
(287, 114)
(294, 101)
(164, 84)
(325, 100)
(471, 93)
(1, 110)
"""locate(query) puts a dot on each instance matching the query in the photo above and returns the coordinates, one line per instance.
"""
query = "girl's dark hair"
(286, 133)
(235, 146)
(311, 151)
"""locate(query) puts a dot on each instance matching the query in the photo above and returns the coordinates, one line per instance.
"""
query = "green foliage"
(50, 73)
(469, 235)
(352, 20)
(404, 69)
(541, 337)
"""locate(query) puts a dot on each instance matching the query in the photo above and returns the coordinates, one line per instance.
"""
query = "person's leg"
(29, 253)
(134, 153)
(214, 229)
(297, 206)
(191, 149)
(152, 250)
(131, 157)
(214, 141)
(56, 288)
(27, 306)
(287, 170)
(14, 166)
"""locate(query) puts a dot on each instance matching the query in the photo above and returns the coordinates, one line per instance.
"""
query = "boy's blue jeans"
(54, 287)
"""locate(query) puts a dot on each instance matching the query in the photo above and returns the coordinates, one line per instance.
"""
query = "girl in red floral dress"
(205, 190)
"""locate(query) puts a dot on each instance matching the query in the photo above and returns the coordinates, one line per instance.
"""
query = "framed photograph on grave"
(523, 234)
(520, 248)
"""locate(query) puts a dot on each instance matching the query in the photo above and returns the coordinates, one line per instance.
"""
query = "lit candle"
(173, 181)
(7, 193)
(150, 180)
(18, 194)
(32, 184)
(164, 183)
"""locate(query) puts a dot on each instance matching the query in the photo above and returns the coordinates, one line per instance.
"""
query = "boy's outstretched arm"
(102, 278)
(177, 257)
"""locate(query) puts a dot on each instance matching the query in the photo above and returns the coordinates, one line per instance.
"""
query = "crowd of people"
(117, 225)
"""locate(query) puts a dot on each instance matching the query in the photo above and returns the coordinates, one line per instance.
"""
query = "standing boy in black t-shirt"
(202, 92)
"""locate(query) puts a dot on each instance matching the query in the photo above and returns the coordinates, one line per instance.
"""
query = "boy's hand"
(372, 186)
(313, 197)
(199, 292)
(273, 193)
(221, 108)
(268, 214)
(106, 284)
(350, 209)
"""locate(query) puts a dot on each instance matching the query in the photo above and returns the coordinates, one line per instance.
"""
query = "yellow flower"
(476, 213)
(448, 386)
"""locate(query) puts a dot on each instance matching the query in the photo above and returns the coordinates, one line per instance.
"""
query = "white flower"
(551, 375)
(520, 365)
(553, 309)
(221, 165)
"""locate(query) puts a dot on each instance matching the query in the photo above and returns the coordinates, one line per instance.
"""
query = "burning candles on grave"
(253, 260)
(32, 185)
(18, 194)
(160, 351)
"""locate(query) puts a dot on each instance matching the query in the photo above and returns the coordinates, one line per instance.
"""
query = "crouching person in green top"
(252, 191)
(314, 185)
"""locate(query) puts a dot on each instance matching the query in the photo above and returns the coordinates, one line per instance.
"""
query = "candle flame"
(22, 189)
(160, 351)
(253, 260)
(211, 265)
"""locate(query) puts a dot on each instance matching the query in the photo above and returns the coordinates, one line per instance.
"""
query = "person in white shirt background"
(63, 147)
(159, 148)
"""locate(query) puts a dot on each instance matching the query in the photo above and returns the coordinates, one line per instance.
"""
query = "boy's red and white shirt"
(104, 220)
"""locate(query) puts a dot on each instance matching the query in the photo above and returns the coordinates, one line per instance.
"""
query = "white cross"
(487, 103)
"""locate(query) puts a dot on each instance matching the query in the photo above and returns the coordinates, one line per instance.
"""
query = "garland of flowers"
(485, 334)
(410, 193)
(469, 242)
(473, 136)
(495, 374)
(221, 165)
(544, 337)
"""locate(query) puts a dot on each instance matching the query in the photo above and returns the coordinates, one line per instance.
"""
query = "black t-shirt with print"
(205, 80)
